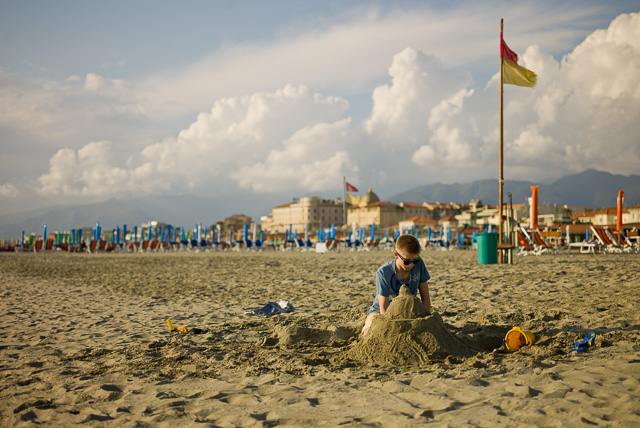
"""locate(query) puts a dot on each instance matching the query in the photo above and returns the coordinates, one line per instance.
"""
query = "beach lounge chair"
(541, 244)
(633, 236)
(634, 239)
(373, 244)
(525, 243)
(622, 239)
(94, 246)
(585, 247)
(7, 247)
(70, 248)
(605, 239)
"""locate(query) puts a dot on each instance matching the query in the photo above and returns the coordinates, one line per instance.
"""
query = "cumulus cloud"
(311, 160)
(420, 116)
(261, 141)
(45, 113)
(582, 114)
(352, 50)
(585, 106)
(8, 190)
(419, 83)
(96, 83)
(88, 171)
(427, 124)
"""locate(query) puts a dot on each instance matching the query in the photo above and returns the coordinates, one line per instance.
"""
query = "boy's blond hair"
(408, 243)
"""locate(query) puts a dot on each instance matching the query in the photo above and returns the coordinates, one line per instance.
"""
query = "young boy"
(406, 268)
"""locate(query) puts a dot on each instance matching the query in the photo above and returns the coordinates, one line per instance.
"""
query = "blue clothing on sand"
(388, 284)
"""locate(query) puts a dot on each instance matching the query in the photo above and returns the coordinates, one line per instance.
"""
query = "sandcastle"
(408, 335)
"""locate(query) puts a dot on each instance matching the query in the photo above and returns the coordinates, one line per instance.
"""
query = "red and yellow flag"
(512, 73)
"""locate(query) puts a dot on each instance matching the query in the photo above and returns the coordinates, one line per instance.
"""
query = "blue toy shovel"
(582, 345)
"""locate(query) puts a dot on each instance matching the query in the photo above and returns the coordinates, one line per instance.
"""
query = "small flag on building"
(351, 188)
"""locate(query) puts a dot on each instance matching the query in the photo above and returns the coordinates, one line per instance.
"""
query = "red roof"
(608, 211)
(420, 220)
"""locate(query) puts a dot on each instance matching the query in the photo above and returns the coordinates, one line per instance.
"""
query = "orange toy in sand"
(517, 338)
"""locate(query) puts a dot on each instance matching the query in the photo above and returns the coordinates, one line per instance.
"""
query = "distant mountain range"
(591, 188)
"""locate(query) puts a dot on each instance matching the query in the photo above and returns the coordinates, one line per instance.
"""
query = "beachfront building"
(235, 222)
(478, 215)
(425, 210)
(468, 217)
(449, 221)
(417, 223)
(380, 214)
(487, 216)
(313, 211)
(604, 217)
(440, 210)
(631, 215)
(550, 215)
(370, 210)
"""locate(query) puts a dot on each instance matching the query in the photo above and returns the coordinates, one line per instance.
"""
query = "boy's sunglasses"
(407, 261)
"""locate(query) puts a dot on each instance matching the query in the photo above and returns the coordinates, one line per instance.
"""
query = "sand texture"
(85, 341)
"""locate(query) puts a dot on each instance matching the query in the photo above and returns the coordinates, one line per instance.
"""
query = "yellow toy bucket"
(517, 338)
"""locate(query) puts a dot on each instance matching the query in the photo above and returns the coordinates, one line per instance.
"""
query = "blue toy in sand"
(582, 345)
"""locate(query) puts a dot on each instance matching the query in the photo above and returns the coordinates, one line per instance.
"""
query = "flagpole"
(344, 200)
(501, 181)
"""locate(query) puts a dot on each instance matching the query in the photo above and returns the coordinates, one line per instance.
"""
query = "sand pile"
(407, 335)
(291, 336)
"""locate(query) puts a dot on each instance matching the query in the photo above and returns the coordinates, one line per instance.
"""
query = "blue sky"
(281, 99)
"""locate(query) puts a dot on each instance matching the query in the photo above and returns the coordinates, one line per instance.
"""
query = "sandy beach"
(85, 341)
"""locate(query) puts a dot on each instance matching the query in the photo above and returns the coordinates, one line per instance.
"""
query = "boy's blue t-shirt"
(388, 284)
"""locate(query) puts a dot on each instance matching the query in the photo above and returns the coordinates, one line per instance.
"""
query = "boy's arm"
(383, 301)
(382, 288)
(423, 287)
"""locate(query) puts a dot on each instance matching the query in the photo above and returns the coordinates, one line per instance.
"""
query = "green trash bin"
(487, 248)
